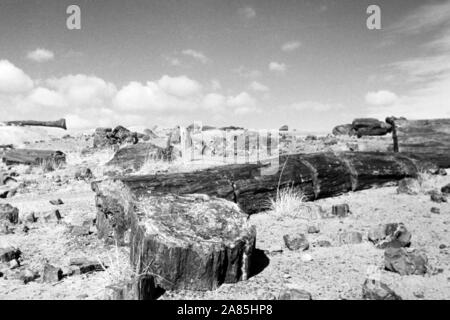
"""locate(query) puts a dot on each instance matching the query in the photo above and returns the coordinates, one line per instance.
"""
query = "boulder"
(56, 202)
(350, 237)
(446, 189)
(370, 127)
(284, 128)
(437, 197)
(377, 290)
(84, 174)
(401, 261)
(9, 213)
(8, 254)
(107, 137)
(341, 210)
(51, 274)
(294, 293)
(391, 235)
(296, 242)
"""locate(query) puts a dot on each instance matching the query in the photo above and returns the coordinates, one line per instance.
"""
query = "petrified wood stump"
(193, 242)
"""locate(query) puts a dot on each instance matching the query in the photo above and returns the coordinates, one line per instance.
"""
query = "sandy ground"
(335, 272)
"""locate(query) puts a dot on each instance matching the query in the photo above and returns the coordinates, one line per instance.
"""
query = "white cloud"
(247, 12)
(257, 86)
(197, 55)
(214, 101)
(425, 75)
(47, 98)
(41, 55)
(245, 72)
(13, 79)
(290, 46)
(277, 67)
(179, 86)
(381, 98)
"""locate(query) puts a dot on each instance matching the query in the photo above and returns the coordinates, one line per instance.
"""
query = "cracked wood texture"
(426, 138)
(193, 242)
(317, 175)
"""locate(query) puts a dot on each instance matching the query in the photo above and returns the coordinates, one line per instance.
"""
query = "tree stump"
(193, 242)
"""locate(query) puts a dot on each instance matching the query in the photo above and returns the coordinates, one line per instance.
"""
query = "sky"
(254, 63)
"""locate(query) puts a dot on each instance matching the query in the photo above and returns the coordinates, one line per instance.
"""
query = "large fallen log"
(33, 157)
(317, 175)
(185, 242)
(425, 138)
(61, 123)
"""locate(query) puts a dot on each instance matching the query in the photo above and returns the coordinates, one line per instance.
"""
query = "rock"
(294, 293)
(344, 130)
(435, 210)
(27, 275)
(5, 228)
(377, 290)
(296, 242)
(408, 186)
(57, 214)
(322, 243)
(284, 128)
(13, 264)
(442, 246)
(84, 174)
(351, 237)
(79, 231)
(31, 217)
(391, 235)
(446, 189)
(438, 197)
(51, 274)
(341, 210)
(442, 172)
(56, 202)
(85, 265)
(370, 127)
(142, 288)
(9, 213)
(106, 137)
(313, 229)
(8, 254)
(405, 263)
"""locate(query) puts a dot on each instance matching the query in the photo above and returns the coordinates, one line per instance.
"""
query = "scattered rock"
(56, 202)
(85, 265)
(442, 246)
(106, 137)
(405, 263)
(313, 229)
(294, 293)
(437, 197)
(351, 237)
(84, 174)
(9, 213)
(57, 214)
(408, 186)
(435, 210)
(377, 290)
(306, 257)
(446, 189)
(8, 254)
(391, 235)
(31, 217)
(341, 210)
(79, 231)
(296, 241)
(322, 243)
(51, 274)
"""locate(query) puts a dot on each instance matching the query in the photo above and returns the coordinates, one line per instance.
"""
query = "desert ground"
(330, 268)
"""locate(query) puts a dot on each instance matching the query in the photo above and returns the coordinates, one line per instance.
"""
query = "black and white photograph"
(237, 151)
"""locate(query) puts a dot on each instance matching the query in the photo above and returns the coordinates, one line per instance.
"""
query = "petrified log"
(370, 127)
(61, 123)
(6, 146)
(425, 138)
(136, 155)
(33, 157)
(317, 175)
(344, 130)
(191, 242)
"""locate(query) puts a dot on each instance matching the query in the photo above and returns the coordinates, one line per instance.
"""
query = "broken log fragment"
(317, 175)
(190, 242)
(33, 157)
(135, 156)
(61, 123)
(425, 138)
